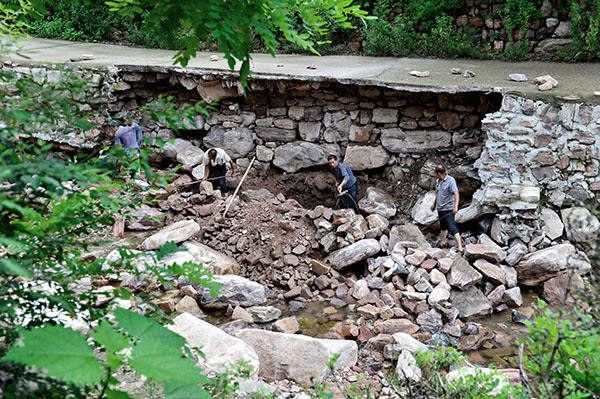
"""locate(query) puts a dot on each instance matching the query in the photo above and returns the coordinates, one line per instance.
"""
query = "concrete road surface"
(580, 80)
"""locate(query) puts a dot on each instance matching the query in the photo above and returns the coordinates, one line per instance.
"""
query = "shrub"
(439, 39)
(564, 356)
(78, 20)
(585, 31)
(517, 15)
(435, 364)
(516, 50)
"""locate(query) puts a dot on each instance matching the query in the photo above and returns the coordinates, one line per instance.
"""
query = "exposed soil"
(317, 187)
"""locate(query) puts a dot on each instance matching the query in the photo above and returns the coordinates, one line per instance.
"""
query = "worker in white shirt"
(215, 167)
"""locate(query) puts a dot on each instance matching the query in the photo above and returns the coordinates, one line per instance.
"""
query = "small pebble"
(214, 58)
(420, 74)
(546, 86)
(455, 71)
(518, 77)
(544, 79)
(469, 74)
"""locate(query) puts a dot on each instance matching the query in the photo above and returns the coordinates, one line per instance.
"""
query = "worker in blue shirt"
(345, 181)
(125, 137)
(136, 128)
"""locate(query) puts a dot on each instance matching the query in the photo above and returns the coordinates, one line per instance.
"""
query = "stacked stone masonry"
(553, 147)
(547, 33)
(290, 125)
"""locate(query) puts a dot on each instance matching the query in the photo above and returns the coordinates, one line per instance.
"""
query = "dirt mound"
(269, 236)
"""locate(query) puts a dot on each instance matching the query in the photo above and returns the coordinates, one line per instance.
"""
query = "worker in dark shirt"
(346, 182)
(446, 204)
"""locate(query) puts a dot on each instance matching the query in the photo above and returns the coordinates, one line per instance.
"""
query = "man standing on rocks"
(215, 167)
(345, 181)
(446, 203)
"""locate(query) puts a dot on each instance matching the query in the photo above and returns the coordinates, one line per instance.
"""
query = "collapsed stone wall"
(291, 124)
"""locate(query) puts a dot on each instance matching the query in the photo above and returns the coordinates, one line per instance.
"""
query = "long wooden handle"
(238, 187)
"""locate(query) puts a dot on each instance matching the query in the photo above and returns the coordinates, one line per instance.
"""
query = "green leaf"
(244, 71)
(143, 328)
(167, 249)
(112, 394)
(62, 351)
(174, 390)
(163, 363)
(106, 336)
(14, 268)
(114, 361)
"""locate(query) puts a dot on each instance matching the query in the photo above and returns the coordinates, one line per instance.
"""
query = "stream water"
(316, 319)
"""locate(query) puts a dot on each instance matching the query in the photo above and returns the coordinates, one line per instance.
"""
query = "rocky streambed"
(299, 285)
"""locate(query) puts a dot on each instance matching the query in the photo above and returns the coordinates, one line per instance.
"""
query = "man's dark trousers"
(347, 202)
(217, 171)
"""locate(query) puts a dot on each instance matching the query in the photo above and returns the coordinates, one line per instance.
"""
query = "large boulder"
(354, 253)
(220, 349)
(551, 223)
(190, 156)
(145, 218)
(174, 147)
(297, 357)
(473, 212)
(378, 201)
(407, 232)
(215, 261)
(512, 196)
(275, 134)
(292, 157)
(462, 275)
(422, 213)
(580, 224)
(409, 141)
(493, 253)
(362, 157)
(234, 290)
(539, 266)
(237, 142)
(176, 232)
(470, 303)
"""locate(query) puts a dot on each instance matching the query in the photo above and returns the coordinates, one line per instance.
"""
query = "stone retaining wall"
(547, 33)
(553, 147)
(291, 124)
